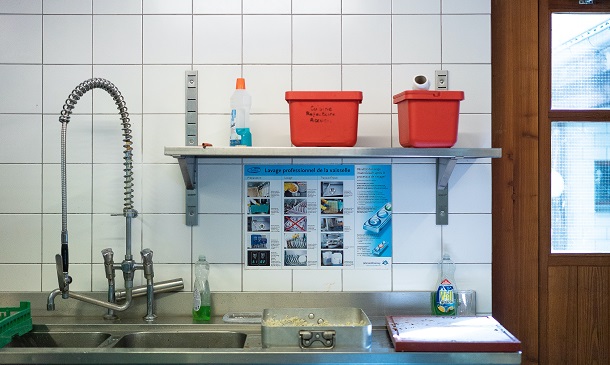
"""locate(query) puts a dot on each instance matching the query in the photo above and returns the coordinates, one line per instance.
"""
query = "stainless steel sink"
(60, 339)
(207, 339)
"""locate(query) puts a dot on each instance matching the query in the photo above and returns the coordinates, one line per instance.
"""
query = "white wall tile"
(416, 238)
(475, 81)
(67, 7)
(220, 189)
(366, 39)
(79, 188)
(413, 188)
(216, 7)
(29, 273)
(219, 237)
(470, 189)
(270, 130)
(109, 232)
(474, 28)
(21, 238)
(467, 239)
(21, 85)
(367, 7)
(374, 130)
(163, 89)
(117, 39)
(266, 39)
(167, 39)
(214, 129)
(316, 39)
(416, 39)
(22, 35)
(21, 188)
(281, 52)
(18, 131)
(128, 79)
(166, 7)
(79, 231)
(74, 29)
(167, 236)
(108, 138)
(171, 271)
(159, 131)
(217, 39)
(78, 139)
(225, 278)
(162, 189)
(117, 6)
(267, 280)
(403, 75)
(474, 131)
(416, 6)
(81, 279)
(266, 6)
(367, 280)
(216, 85)
(108, 188)
(268, 97)
(373, 81)
(476, 277)
(466, 7)
(316, 6)
(58, 81)
(317, 280)
(414, 277)
(316, 77)
(21, 6)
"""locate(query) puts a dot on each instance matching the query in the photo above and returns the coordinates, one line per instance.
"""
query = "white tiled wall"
(145, 46)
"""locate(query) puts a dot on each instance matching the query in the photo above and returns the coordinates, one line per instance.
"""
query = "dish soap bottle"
(444, 299)
(202, 298)
(241, 102)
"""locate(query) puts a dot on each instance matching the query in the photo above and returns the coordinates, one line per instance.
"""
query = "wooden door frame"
(515, 189)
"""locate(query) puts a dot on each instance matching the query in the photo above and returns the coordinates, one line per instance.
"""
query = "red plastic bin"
(428, 118)
(323, 118)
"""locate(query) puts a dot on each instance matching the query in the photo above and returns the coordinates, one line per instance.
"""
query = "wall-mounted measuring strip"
(191, 139)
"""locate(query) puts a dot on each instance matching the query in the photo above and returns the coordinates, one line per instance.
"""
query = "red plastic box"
(323, 118)
(428, 118)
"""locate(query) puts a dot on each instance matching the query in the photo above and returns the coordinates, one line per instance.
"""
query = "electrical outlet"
(442, 79)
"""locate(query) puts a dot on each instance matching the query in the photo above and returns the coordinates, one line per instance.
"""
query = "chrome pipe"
(158, 287)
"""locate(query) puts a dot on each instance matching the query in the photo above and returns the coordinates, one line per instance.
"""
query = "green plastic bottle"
(444, 300)
(202, 297)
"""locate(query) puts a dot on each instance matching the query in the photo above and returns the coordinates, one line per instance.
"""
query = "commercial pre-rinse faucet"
(128, 266)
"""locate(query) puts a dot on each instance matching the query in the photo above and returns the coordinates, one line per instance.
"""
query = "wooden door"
(558, 305)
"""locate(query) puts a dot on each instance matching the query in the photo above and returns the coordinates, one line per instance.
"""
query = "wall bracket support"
(444, 168)
(188, 165)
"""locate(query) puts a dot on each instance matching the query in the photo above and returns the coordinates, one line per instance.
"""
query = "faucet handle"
(147, 255)
(63, 279)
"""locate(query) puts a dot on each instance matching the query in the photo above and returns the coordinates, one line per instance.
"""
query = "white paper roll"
(421, 82)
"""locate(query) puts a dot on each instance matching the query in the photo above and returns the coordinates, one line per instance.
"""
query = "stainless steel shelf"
(331, 152)
(446, 159)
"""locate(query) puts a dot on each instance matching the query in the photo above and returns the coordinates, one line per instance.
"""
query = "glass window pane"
(580, 61)
(580, 187)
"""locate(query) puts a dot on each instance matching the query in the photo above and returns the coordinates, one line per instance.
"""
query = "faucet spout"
(128, 266)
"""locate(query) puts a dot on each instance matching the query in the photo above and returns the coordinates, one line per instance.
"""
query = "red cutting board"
(450, 334)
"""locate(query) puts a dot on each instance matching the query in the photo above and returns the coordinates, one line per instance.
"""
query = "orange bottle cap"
(240, 83)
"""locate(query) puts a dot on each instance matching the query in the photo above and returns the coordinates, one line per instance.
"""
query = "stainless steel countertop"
(381, 351)
(174, 314)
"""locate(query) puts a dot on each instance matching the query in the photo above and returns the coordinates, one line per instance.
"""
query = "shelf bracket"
(188, 165)
(444, 168)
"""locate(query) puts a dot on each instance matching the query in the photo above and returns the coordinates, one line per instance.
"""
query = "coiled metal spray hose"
(64, 118)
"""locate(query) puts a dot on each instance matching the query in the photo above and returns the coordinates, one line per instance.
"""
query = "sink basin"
(207, 339)
(59, 339)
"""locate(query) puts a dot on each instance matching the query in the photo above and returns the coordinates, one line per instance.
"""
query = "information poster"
(318, 216)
